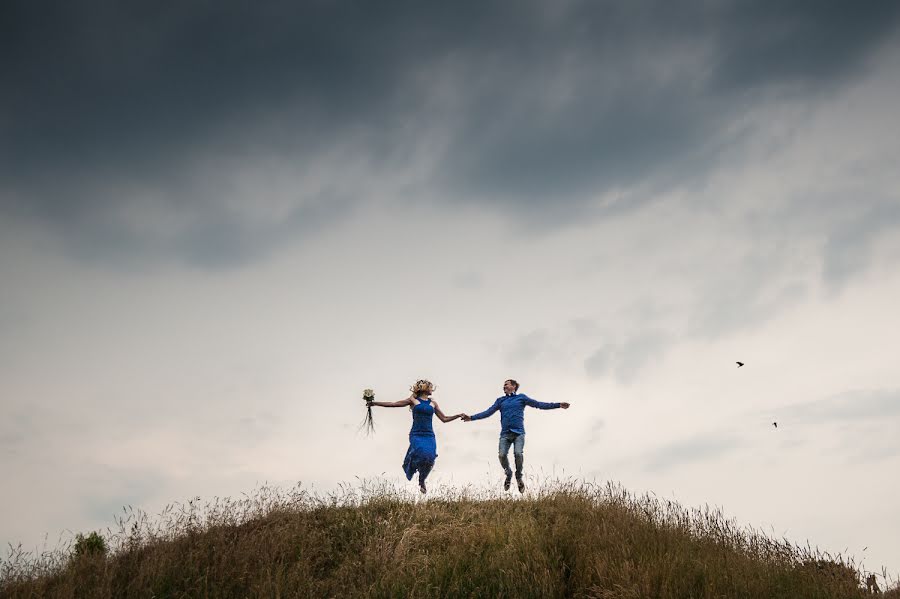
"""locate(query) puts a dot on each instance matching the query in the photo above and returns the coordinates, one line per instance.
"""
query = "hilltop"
(565, 540)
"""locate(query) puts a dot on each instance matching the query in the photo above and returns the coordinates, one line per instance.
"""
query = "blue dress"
(422, 450)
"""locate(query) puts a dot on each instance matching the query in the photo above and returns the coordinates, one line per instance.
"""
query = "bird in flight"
(775, 424)
(739, 364)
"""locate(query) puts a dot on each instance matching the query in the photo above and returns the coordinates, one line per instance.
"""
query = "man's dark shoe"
(507, 482)
(521, 484)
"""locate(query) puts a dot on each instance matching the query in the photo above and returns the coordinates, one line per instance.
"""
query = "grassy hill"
(566, 540)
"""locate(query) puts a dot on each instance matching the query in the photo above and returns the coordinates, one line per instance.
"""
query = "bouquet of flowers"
(368, 424)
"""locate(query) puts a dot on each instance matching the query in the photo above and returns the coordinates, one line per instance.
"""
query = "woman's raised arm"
(392, 404)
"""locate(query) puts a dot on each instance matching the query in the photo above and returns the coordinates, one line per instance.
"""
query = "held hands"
(466, 417)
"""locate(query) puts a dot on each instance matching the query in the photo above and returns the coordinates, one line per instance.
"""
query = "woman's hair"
(422, 386)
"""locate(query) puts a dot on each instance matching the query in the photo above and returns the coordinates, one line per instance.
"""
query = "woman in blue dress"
(422, 450)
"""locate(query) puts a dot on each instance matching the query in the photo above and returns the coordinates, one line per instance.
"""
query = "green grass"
(568, 539)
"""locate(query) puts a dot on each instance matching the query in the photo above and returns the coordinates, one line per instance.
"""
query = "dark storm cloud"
(532, 103)
(796, 42)
(211, 238)
(610, 96)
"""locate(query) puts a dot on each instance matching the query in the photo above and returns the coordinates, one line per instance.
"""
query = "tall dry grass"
(568, 539)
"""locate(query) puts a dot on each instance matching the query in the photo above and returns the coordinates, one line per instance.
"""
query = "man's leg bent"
(519, 454)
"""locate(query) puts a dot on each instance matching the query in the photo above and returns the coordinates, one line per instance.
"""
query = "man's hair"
(513, 381)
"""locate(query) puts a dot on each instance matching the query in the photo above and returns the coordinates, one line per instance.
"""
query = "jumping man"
(512, 426)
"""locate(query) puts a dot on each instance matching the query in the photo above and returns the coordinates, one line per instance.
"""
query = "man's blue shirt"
(512, 412)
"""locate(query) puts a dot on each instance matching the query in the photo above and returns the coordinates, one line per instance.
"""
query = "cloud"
(596, 431)
(745, 293)
(848, 249)
(109, 490)
(856, 405)
(11, 442)
(625, 360)
(599, 363)
(565, 344)
(210, 237)
(469, 280)
(18, 429)
(251, 430)
(855, 426)
(700, 448)
(540, 113)
(796, 43)
(530, 346)
(613, 97)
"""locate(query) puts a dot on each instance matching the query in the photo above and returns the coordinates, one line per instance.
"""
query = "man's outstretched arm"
(486, 413)
(541, 405)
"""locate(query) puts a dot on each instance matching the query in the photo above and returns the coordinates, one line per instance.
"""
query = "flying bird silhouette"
(739, 364)
(775, 424)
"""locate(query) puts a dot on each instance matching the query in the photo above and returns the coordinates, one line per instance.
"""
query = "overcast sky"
(220, 221)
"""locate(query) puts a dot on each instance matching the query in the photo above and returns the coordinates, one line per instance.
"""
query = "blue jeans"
(517, 442)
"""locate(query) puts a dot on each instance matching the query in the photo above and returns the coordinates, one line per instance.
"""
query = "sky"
(221, 221)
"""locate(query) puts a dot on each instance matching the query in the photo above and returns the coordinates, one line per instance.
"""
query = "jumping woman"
(422, 450)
